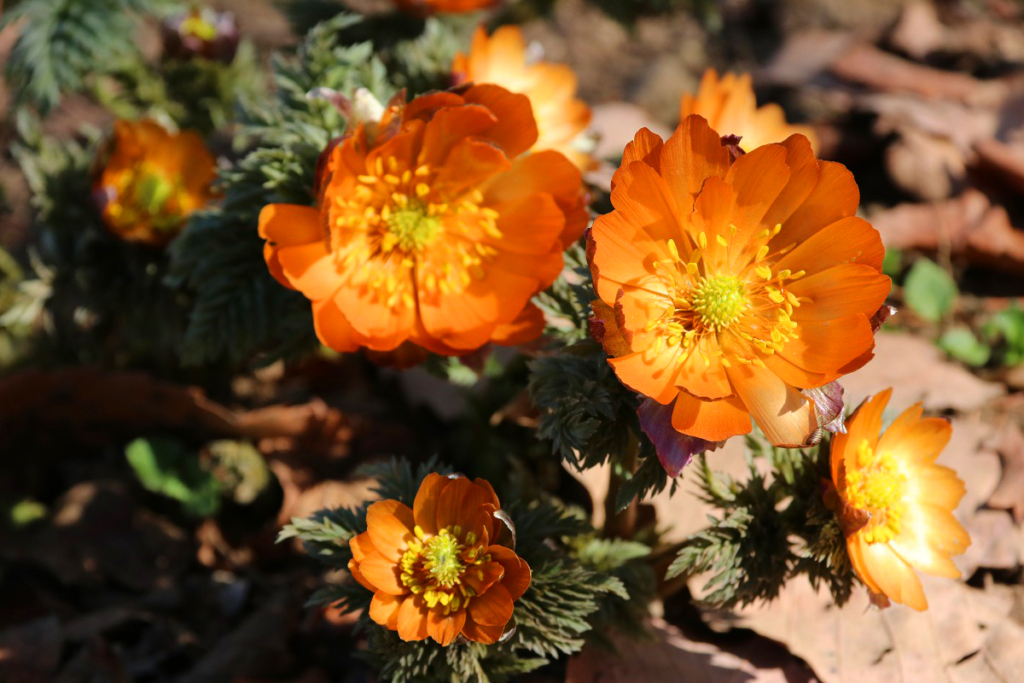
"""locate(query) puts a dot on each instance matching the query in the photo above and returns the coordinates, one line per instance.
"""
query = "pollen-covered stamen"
(875, 484)
(410, 228)
(719, 301)
(436, 567)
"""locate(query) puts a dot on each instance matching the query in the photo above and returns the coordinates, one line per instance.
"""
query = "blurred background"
(127, 558)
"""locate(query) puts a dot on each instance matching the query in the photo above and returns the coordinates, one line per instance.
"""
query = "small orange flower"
(424, 7)
(727, 286)
(895, 504)
(153, 181)
(435, 570)
(730, 107)
(433, 227)
(501, 59)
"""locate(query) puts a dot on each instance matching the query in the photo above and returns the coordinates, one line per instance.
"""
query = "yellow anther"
(721, 240)
(702, 240)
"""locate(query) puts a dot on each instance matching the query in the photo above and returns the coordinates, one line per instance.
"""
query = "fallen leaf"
(918, 31)
(917, 371)
(972, 227)
(870, 66)
(1009, 494)
(668, 655)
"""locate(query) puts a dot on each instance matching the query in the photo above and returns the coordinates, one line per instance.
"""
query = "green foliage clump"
(770, 530)
(929, 290)
(580, 585)
(241, 313)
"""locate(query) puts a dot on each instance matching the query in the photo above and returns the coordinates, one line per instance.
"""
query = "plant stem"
(621, 524)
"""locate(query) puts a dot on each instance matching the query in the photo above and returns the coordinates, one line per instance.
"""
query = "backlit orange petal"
(841, 291)
(835, 196)
(644, 147)
(914, 545)
(390, 524)
(515, 130)
(864, 424)
(382, 573)
(445, 628)
(848, 240)
(827, 345)
(758, 178)
(803, 170)
(309, 269)
(710, 420)
(493, 608)
(460, 499)
(332, 328)
(713, 212)
(384, 609)
(517, 573)
(921, 443)
(527, 326)
(934, 484)
(449, 126)
(785, 415)
(795, 375)
(424, 508)
(470, 163)
(893, 576)
(621, 253)
(693, 153)
(412, 619)
(703, 377)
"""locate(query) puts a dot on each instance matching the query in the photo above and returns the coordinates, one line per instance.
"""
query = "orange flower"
(153, 181)
(431, 227)
(730, 107)
(895, 504)
(424, 7)
(434, 570)
(501, 59)
(728, 286)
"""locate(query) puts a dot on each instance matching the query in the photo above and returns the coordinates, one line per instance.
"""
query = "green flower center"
(719, 300)
(410, 229)
(441, 558)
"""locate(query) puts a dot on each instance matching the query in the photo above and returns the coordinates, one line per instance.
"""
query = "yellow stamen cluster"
(436, 567)
(735, 292)
(875, 484)
(395, 221)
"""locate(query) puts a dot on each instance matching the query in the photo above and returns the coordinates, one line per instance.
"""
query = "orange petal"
(390, 524)
(921, 443)
(515, 129)
(479, 633)
(835, 196)
(444, 628)
(651, 374)
(710, 420)
(703, 377)
(863, 424)
(424, 508)
(692, 154)
(785, 415)
(803, 176)
(758, 178)
(290, 225)
(492, 497)
(493, 608)
(310, 269)
(332, 328)
(531, 225)
(384, 609)
(849, 240)
(382, 327)
(469, 164)
(841, 291)
(412, 619)
(713, 213)
(827, 345)
(795, 375)
(459, 501)
(934, 484)
(353, 569)
(914, 546)
(361, 546)
(527, 326)
(482, 576)
(517, 573)
(620, 253)
(646, 147)
(449, 126)
(894, 576)
(383, 574)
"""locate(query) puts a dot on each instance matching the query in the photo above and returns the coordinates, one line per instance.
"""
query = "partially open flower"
(894, 503)
(152, 181)
(727, 286)
(424, 7)
(561, 118)
(432, 227)
(201, 32)
(436, 570)
(729, 105)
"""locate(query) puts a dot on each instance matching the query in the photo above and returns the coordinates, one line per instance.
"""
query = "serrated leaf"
(167, 467)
